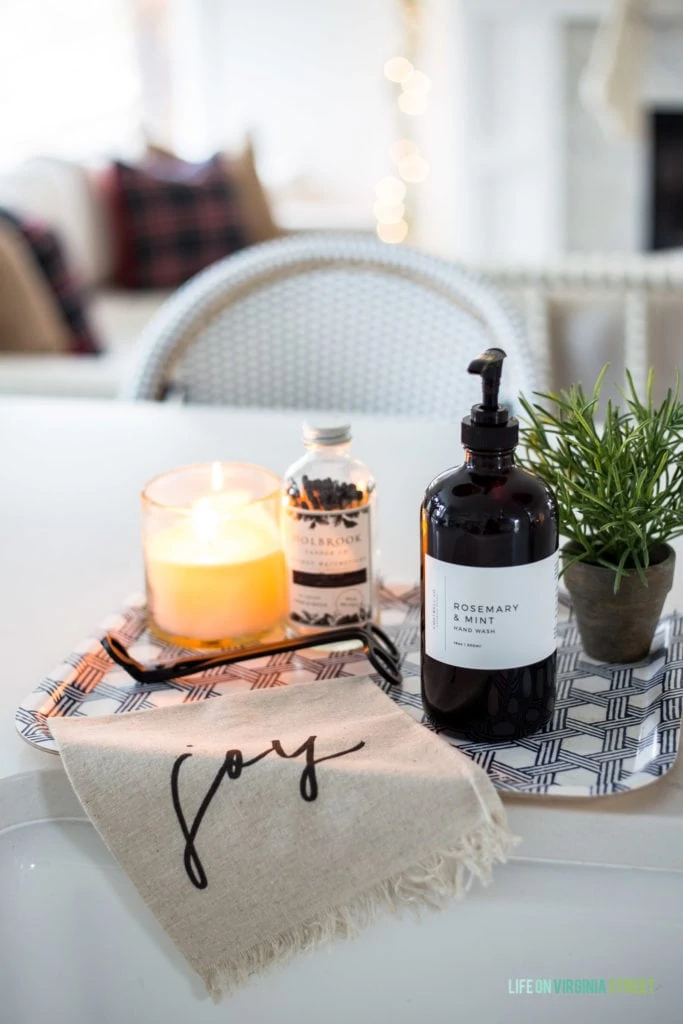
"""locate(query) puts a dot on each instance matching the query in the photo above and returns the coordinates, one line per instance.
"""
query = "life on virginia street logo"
(581, 986)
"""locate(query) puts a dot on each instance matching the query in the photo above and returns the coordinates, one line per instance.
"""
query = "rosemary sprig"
(618, 479)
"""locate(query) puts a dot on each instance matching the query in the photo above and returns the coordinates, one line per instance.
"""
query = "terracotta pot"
(619, 627)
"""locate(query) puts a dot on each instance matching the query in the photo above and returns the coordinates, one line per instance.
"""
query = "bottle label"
(490, 618)
(329, 566)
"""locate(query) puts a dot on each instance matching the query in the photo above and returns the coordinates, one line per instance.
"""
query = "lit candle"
(214, 565)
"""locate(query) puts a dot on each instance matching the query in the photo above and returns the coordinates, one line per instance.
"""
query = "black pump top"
(489, 427)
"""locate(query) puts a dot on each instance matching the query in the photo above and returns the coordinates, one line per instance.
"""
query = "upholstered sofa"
(580, 311)
(64, 195)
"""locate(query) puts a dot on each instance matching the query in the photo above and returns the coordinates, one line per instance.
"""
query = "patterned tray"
(614, 728)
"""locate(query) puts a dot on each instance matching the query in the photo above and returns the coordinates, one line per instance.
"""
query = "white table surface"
(70, 475)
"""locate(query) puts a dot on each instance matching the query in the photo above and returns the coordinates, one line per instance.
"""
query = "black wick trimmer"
(380, 651)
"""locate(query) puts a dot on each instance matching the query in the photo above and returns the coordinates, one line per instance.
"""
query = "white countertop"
(70, 475)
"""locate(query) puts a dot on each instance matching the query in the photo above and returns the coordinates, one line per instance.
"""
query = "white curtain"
(304, 78)
(69, 79)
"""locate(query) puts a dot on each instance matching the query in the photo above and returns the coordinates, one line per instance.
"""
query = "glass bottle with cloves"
(329, 500)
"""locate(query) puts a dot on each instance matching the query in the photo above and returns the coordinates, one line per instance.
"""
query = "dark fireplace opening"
(666, 179)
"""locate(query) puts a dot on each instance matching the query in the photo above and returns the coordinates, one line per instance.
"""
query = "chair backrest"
(585, 310)
(339, 322)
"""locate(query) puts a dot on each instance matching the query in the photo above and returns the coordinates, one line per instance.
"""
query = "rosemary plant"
(618, 477)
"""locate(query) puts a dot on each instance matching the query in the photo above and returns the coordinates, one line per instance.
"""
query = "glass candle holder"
(214, 564)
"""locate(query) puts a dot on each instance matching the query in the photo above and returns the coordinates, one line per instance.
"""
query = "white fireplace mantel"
(524, 180)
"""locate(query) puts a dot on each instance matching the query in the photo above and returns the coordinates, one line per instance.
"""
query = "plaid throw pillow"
(48, 253)
(172, 219)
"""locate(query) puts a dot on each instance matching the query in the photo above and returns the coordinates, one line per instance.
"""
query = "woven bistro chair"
(338, 322)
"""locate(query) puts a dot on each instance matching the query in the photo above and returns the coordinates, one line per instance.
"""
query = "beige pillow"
(259, 225)
(30, 319)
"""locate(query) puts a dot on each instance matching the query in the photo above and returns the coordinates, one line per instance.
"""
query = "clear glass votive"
(214, 563)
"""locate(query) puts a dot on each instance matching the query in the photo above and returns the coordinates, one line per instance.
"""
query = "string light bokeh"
(393, 205)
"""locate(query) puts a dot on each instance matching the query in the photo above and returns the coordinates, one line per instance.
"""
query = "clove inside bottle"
(329, 534)
(489, 561)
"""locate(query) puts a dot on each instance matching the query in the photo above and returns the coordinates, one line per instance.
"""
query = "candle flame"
(212, 512)
(217, 479)
(205, 520)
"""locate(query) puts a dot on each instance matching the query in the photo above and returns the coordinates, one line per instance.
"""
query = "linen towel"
(263, 823)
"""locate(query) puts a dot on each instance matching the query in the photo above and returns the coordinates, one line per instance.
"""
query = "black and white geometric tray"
(614, 728)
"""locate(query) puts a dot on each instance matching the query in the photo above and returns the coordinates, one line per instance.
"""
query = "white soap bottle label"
(329, 566)
(490, 618)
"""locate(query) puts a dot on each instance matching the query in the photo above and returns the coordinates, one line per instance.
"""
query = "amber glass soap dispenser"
(489, 582)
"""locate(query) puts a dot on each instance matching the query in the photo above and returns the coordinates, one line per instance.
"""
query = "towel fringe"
(432, 883)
